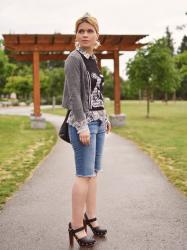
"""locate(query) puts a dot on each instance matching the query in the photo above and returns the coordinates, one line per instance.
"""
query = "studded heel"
(84, 241)
(96, 230)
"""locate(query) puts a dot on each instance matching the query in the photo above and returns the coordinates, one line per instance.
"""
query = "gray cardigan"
(76, 92)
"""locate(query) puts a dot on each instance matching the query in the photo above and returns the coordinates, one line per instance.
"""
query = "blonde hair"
(88, 19)
(91, 20)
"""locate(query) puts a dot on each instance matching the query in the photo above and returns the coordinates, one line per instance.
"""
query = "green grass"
(163, 136)
(22, 148)
(56, 111)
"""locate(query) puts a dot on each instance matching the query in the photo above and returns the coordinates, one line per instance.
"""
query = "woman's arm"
(73, 76)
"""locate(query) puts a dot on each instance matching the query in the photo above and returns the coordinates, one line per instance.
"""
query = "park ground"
(163, 137)
(137, 204)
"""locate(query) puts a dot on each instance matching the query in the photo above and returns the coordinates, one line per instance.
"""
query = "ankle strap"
(78, 229)
(92, 220)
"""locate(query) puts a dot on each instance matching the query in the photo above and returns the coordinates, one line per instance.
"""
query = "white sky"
(115, 17)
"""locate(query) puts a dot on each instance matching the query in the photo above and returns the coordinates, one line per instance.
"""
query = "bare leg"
(79, 194)
(91, 200)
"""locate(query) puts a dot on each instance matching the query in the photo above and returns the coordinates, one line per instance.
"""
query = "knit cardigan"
(76, 92)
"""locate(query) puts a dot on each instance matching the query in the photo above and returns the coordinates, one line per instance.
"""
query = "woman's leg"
(92, 187)
(79, 195)
(91, 200)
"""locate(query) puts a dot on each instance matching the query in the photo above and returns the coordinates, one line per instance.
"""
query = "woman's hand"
(84, 137)
(108, 127)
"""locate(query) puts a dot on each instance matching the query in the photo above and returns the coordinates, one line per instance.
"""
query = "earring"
(97, 44)
(77, 44)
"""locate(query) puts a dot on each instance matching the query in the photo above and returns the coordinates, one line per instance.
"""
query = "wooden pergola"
(41, 47)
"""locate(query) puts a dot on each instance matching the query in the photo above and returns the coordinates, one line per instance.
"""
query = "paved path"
(137, 204)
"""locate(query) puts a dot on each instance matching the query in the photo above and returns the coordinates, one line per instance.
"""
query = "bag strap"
(67, 114)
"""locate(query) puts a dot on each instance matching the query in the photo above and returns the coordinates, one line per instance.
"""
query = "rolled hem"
(100, 170)
(85, 175)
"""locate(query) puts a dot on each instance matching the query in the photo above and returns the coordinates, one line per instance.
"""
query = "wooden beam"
(29, 57)
(67, 47)
(36, 83)
(117, 87)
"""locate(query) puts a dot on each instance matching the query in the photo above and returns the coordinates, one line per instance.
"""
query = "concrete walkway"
(137, 204)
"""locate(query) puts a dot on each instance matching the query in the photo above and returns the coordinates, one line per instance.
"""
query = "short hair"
(88, 19)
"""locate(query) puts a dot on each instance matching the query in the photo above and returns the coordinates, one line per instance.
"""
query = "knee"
(84, 178)
(93, 177)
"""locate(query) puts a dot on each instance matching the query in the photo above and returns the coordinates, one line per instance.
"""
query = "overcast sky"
(115, 17)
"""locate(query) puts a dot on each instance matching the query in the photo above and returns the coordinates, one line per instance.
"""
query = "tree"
(54, 84)
(169, 40)
(1, 43)
(181, 62)
(153, 67)
(166, 75)
(6, 69)
(128, 91)
(183, 46)
(140, 73)
(50, 64)
(19, 81)
(108, 83)
(21, 85)
(3, 69)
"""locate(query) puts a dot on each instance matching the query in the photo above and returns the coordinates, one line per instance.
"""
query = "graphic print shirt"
(96, 100)
(96, 82)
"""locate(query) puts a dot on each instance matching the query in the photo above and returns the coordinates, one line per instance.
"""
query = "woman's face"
(86, 35)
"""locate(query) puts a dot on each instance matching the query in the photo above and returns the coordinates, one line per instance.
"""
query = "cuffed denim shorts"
(88, 158)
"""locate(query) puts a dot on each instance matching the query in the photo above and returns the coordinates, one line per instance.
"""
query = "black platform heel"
(96, 230)
(84, 241)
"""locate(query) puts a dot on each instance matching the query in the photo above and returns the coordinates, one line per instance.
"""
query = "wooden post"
(117, 87)
(99, 64)
(36, 83)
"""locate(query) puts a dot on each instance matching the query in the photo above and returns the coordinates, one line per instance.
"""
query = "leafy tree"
(20, 81)
(183, 46)
(166, 75)
(54, 83)
(51, 64)
(128, 90)
(1, 43)
(153, 67)
(21, 85)
(108, 83)
(6, 69)
(140, 73)
(181, 62)
(169, 40)
(3, 70)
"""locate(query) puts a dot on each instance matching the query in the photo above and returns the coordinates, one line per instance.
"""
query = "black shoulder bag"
(63, 132)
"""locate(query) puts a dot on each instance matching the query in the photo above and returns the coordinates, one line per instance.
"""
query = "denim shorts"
(88, 158)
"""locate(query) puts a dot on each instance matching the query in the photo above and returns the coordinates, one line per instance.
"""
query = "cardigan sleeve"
(73, 76)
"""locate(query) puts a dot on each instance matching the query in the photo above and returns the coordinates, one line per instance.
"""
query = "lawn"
(22, 148)
(163, 136)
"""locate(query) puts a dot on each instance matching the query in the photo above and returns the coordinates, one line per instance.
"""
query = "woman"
(87, 124)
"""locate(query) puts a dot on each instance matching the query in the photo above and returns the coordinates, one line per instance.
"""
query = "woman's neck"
(88, 50)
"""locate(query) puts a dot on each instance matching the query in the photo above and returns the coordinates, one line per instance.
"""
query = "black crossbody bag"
(63, 132)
